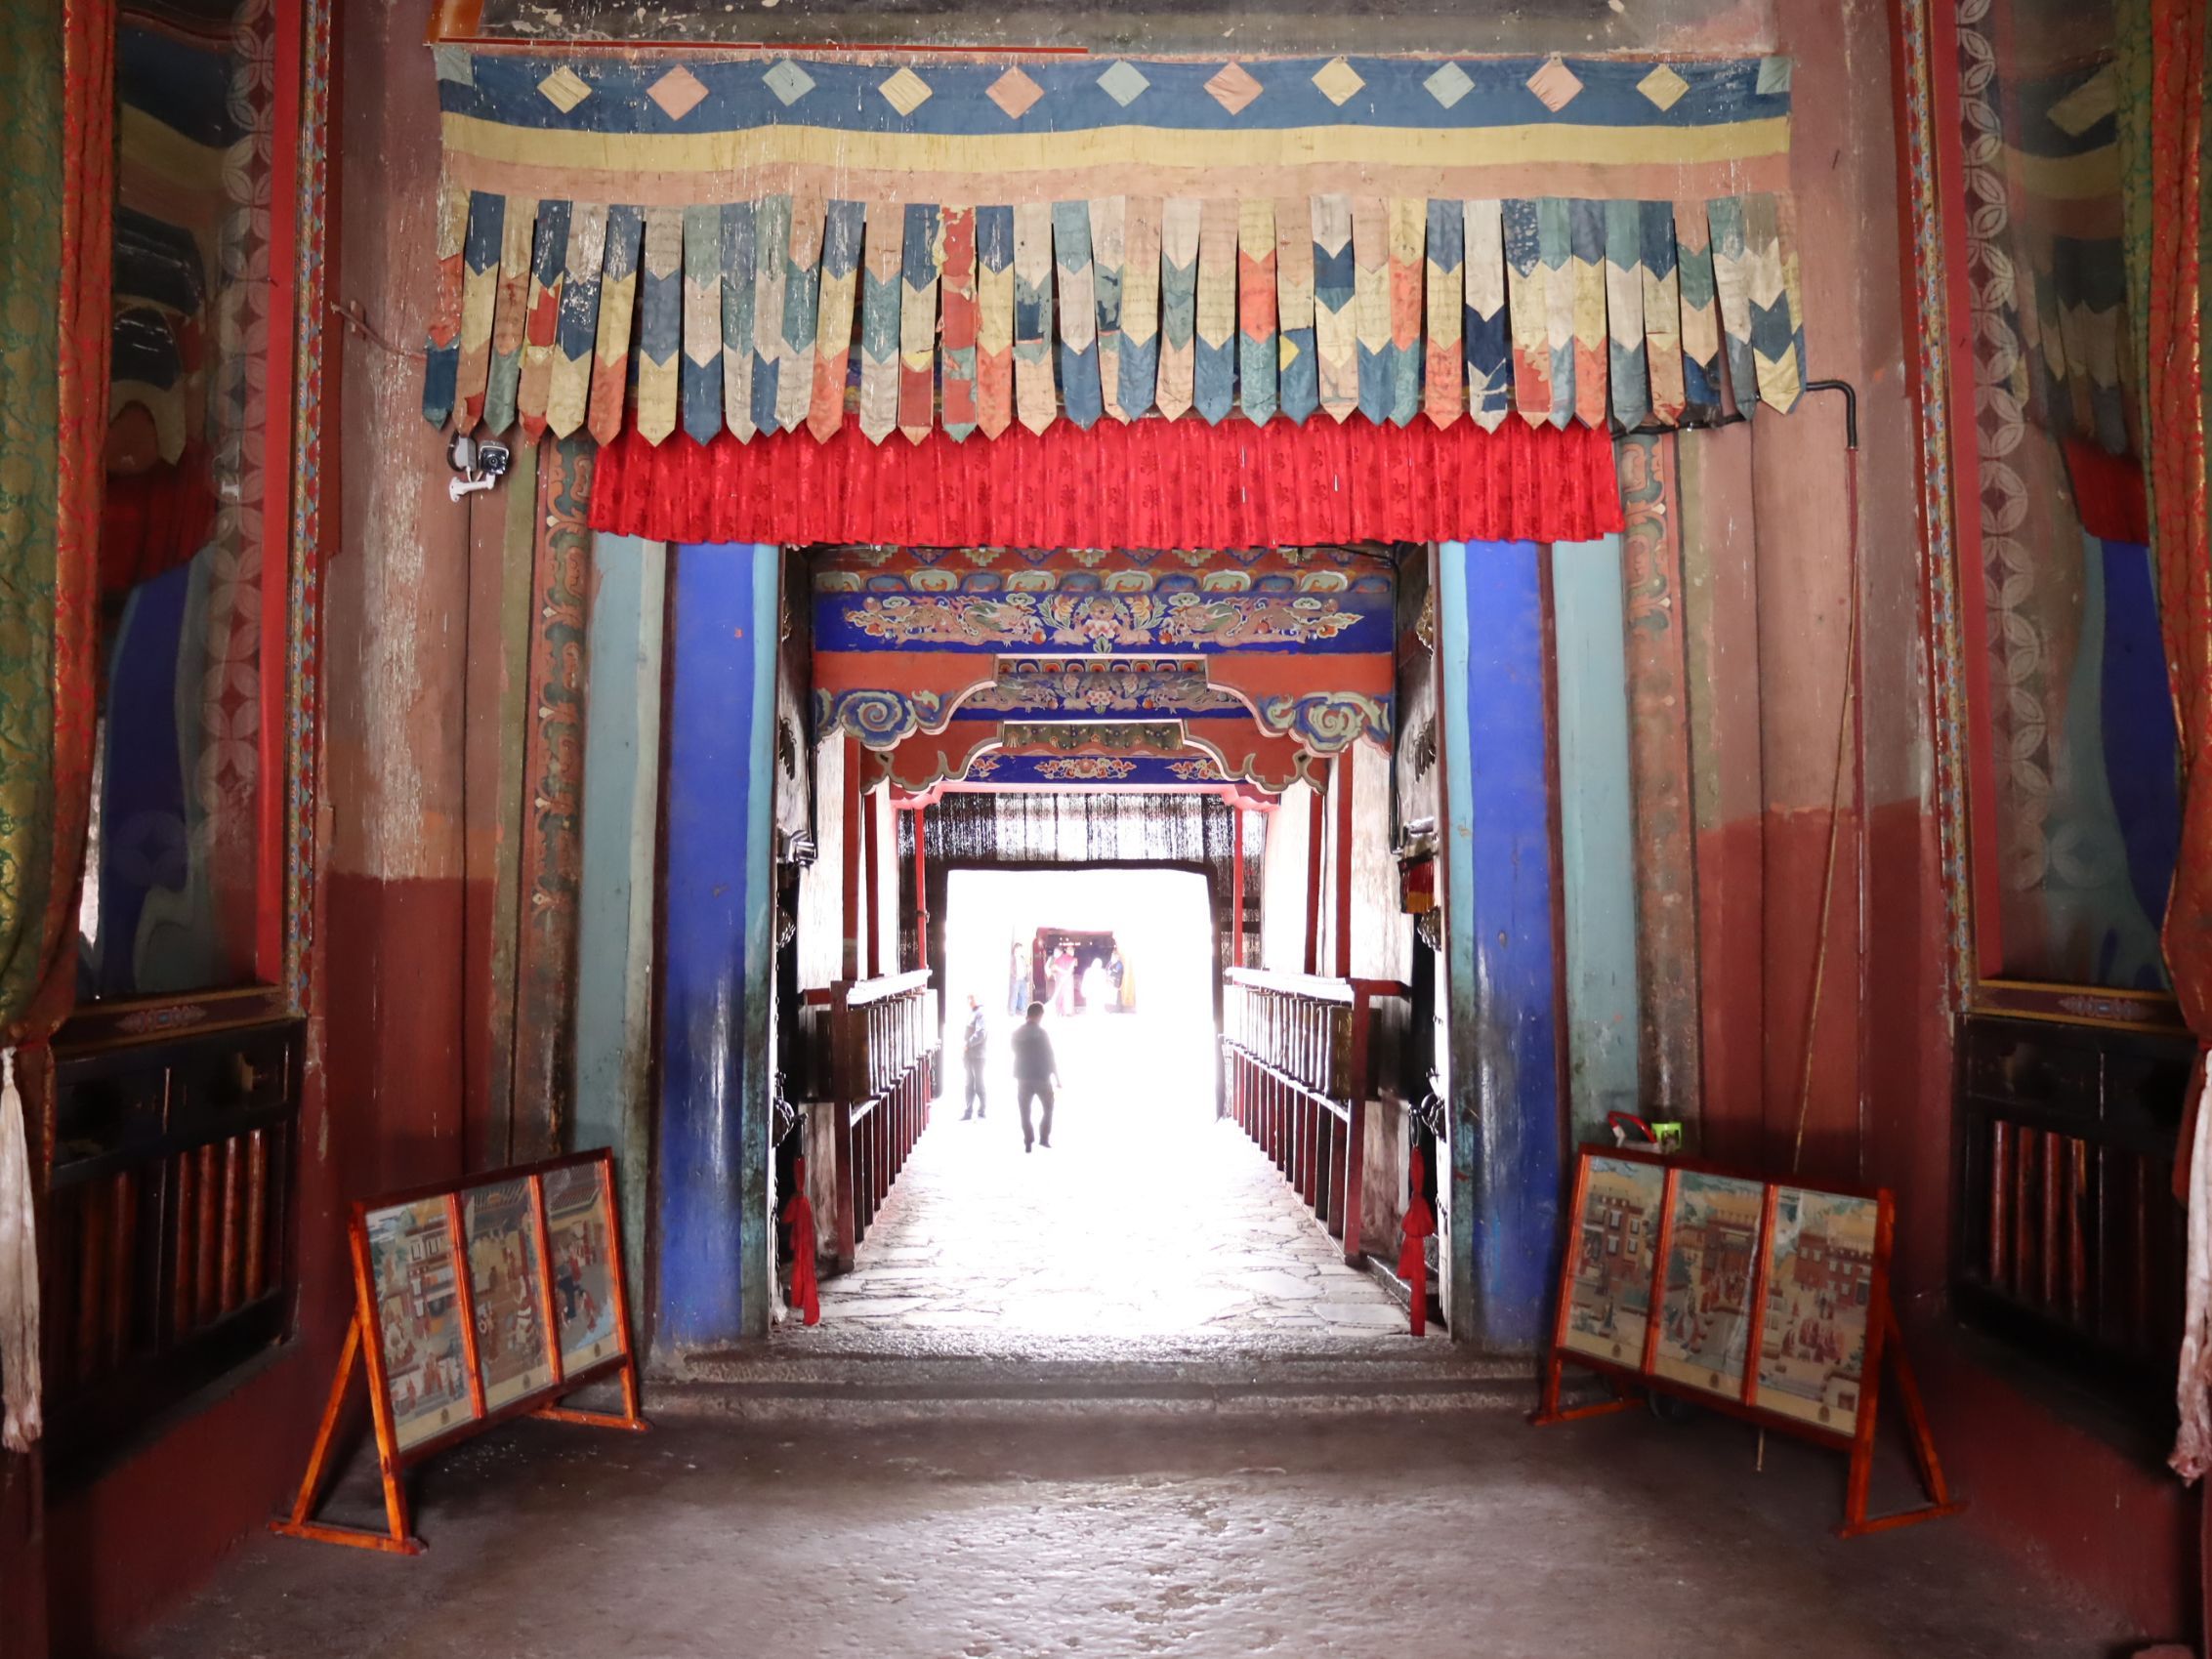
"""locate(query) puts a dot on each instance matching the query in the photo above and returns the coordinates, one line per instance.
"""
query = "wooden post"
(1343, 863)
(843, 1064)
(851, 855)
(1356, 1127)
(1314, 825)
(921, 896)
(871, 840)
(1236, 889)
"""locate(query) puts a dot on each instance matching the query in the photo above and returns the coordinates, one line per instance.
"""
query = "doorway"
(1147, 1216)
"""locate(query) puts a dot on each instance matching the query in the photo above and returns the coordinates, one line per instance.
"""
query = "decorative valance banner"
(759, 245)
(1153, 483)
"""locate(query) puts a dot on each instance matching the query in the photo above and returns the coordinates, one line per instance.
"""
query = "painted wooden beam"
(1598, 865)
(714, 1236)
(545, 964)
(1504, 1128)
(615, 925)
(1669, 972)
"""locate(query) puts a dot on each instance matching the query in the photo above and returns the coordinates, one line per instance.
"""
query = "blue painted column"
(1596, 850)
(1499, 953)
(712, 1233)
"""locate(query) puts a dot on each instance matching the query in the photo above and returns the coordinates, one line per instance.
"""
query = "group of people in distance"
(1064, 983)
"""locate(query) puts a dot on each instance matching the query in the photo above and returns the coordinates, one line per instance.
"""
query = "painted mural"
(2082, 820)
(1705, 1309)
(512, 1345)
(1609, 1300)
(579, 1235)
(415, 1269)
(1820, 1293)
(171, 898)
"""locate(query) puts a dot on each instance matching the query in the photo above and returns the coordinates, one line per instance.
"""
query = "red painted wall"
(389, 1032)
(1767, 557)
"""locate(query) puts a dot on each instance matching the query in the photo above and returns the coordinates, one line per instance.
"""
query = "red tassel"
(805, 1289)
(1412, 1257)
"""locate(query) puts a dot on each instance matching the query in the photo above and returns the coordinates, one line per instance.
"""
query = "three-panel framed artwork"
(1768, 1300)
(473, 1303)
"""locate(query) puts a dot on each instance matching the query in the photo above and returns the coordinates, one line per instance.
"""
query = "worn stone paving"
(1146, 1217)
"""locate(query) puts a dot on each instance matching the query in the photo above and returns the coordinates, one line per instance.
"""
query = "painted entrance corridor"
(1146, 1217)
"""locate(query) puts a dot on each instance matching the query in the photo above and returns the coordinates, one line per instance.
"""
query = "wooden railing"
(1300, 1053)
(2069, 1240)
(171, 1260)
(880, 1039)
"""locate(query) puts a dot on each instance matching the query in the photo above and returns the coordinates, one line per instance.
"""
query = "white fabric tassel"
(19, 1270)
(2192, 1390)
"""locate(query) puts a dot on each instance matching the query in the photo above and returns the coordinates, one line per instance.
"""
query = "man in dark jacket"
(1034, 1073)
(971, 1056)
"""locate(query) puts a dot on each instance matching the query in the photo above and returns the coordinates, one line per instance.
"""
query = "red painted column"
(921, 896)
(872, 836)
(850, 897)
(1314, 885)
(1236, 890)
(1343, 864)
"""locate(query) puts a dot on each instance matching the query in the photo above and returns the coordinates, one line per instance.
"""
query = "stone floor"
(1422, 1537)
(1146, 1217)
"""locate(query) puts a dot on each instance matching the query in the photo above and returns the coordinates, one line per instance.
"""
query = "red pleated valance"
(1149, 484)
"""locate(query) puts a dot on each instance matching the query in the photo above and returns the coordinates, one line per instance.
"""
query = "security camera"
(480, 465)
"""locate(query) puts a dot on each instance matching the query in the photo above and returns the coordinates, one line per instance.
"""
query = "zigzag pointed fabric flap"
(1621, 313)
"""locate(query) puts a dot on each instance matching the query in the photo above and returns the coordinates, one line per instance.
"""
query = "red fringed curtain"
(1152, 484)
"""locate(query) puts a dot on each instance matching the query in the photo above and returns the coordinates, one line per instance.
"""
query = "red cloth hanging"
(1152, 484)
(806, 1288)
(2107, 493)
(1412, 1255)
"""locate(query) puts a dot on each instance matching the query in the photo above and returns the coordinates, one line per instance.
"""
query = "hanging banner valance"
(757, 245)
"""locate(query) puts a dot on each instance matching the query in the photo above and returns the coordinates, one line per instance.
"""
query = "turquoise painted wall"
(1596, 851)
(614, 950)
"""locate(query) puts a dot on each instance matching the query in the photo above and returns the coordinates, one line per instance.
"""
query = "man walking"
(1034, 1073)
(972, 1055)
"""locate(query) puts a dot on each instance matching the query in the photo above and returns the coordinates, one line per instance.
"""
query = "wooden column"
(853, 852)
(1236, 889)
(872, 836)
(1314, 823)
(1343, 770)
(921, 896)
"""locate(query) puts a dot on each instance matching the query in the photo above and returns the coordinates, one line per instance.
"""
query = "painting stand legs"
(1548, 1411)
(628, 1417)
(1941, 1503)
(300, 1523)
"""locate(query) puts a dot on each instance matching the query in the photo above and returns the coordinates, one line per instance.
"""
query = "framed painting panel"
(581, 1241)
(1608, 1301)
(1819, 1279)
(415, 1269)
(506, 1285)
(1712, 1257)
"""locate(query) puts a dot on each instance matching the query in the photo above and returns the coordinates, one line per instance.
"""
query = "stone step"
(864, 1382)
